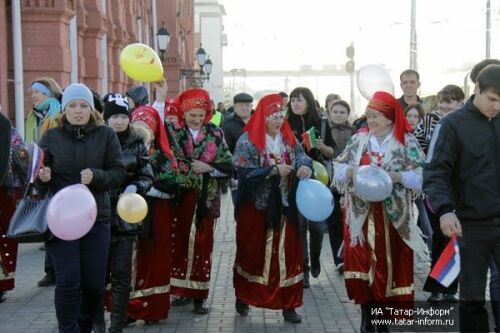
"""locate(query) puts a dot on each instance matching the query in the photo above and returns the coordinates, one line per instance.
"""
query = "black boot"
(366, 320)
(315, 265)
(2, 296)
(291, 316)
(118, 316)
(200, 306)
(47, 281)
(181, 301)
(241, 307)
(306, 278)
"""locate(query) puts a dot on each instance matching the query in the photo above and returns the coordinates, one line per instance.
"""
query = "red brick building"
(80, 41)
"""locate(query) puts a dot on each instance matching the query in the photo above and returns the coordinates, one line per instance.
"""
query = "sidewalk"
(30, 309)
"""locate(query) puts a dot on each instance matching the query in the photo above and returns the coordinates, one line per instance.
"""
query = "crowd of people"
(181, 154)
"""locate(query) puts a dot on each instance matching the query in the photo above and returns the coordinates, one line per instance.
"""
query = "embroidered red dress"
(381, 269)
(196, 208)
(268, 268)
(11, 191)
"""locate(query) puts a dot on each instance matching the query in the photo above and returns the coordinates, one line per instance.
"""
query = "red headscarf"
(150, 117)
(392, 110)
(195, 99)
(172, 107)
(256, 126)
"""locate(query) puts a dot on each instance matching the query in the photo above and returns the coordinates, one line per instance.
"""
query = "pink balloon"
(72, 212)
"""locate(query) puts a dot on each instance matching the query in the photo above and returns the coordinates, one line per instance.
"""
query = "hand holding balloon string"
(304, 172)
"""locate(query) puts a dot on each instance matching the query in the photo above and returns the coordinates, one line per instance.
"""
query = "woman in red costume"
(269, 265)
(204, 160)
(150, 296)
(14, 160)
(380, 237)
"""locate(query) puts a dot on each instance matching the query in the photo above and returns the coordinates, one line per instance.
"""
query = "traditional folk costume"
(150, 296)
(269, 265)
(198, 203)
(13, 178)
(380, 237)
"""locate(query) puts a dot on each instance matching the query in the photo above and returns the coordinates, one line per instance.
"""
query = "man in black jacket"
(233, 127)
(462, 180)
(233, 124)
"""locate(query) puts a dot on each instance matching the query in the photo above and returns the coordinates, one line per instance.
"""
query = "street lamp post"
(198, 77)
(413, 36)
(488, 28)
(163, 37)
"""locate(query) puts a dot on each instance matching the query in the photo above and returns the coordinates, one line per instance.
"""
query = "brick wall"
(46, 34)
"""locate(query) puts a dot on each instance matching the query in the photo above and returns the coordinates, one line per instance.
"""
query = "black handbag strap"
(29, 191)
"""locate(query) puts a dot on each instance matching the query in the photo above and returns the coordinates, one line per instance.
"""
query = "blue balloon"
(314, 200)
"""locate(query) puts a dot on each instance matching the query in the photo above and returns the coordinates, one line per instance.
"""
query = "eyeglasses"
(276, 115)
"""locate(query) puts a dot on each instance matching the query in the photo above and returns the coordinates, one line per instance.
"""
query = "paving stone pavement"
(30, 309)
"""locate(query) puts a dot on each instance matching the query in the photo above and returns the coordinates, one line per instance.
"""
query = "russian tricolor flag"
(447, 267)
(36, 161)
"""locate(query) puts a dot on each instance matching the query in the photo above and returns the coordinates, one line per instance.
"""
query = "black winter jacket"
(301, 124)
(138, 173)
(70, 149)
(462, 171)
(233, 129)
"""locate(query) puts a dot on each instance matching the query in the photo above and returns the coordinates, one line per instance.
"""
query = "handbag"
(29, 222)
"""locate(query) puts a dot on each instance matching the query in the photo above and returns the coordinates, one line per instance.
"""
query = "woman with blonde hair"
(45, 96)
(80, 150)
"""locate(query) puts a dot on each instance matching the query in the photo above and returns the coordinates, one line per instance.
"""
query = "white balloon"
(373, 78)
(372, 183)
(314, 200)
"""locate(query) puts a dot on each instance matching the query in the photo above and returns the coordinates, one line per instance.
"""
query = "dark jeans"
(480, 242)
(80, 268)
(316, 233)
(424, 222)
(48, 266)
(439, 242)
(336, 229)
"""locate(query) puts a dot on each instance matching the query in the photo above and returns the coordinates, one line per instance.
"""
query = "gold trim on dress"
(150, 291)
(6, 276)
(284, 282)
(356, 275)
(371, 244)
(189, 284)
(264, 279)
(398, 291)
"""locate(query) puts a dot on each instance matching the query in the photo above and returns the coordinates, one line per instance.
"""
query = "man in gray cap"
(233, 126)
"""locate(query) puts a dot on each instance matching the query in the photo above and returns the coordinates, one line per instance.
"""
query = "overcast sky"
(284, 34)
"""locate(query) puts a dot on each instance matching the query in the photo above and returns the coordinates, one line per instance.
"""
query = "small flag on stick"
(309, 139)
(36, 161)
(447, 267)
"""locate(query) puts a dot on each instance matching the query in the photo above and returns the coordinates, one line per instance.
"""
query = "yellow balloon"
(141, 63)
(320, 172)
(132, 208)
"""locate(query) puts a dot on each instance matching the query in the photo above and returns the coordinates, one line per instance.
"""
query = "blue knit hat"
(77, 91)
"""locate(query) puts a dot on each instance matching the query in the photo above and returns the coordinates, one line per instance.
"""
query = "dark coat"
(301, 124)
(462, 171)
(70, 149)
(341, 133)
(233, 129)
(138, 173)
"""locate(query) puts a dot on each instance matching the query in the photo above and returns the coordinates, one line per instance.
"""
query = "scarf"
(50, 107)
